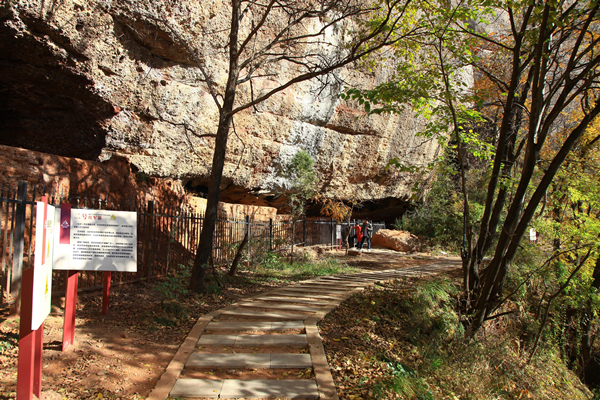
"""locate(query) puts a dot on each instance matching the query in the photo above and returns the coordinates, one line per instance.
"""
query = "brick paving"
(298, 308)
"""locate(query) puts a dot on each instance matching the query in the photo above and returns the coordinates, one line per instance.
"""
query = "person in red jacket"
(357, 234)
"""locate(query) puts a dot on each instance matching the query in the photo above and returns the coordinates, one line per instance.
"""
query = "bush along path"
(269, 346)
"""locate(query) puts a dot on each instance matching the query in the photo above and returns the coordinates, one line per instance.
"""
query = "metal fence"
(166, 237)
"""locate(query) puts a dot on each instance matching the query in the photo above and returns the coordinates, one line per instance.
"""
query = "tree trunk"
(225, 117)
(238, 256)
(588, 337)
(517, 220)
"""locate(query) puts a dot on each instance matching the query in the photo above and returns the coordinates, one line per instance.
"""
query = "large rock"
(396, 240)
(98, 79)
(236, 212)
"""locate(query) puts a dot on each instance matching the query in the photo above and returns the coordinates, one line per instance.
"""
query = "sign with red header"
(98, 240)
(65, 223)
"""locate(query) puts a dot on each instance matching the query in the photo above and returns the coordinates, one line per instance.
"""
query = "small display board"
(338, 231)
(532, 235)
(42, 272)
(98, 240)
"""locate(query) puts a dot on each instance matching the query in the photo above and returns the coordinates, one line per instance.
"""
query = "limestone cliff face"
(94, 79)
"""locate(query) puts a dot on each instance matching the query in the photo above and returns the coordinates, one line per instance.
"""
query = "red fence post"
(148, 235)
(31, 342)
(38, 344)
(105, 292)
(27, 340)
(70, 309)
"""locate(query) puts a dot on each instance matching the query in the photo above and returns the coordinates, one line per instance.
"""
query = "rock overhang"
(113, 91)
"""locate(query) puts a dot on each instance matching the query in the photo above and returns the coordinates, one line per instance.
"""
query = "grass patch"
(405, 341)
(283, 270)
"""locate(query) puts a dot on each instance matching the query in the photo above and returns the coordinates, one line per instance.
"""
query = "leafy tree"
(570, 218)
(554, 69)
(549, 67)
(301, 183)
(299, 188)
(439, 215)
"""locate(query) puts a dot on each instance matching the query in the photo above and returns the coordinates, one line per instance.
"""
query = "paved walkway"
(275, 331)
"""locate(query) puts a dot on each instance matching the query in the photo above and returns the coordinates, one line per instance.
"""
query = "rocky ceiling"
(43, 105)
(91, 80)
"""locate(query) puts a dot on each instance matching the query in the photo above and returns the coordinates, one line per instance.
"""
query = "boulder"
(308, 253)
(396, 240)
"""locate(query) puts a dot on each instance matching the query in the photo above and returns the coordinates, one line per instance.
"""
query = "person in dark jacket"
(367, 231)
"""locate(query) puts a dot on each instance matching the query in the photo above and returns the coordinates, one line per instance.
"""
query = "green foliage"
(256, 252)
(302, 181)
(416, 344)
(259, 251)
(439, 217)
(174, 286)
(431, 320)
(271, 260)
(403, 381)
(433, 310)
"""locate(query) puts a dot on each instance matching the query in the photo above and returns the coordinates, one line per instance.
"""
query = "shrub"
(174, 286)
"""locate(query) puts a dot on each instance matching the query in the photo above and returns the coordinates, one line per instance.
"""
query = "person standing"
(367, 231)
(357, 234)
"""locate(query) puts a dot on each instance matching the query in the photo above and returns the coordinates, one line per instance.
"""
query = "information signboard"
(532, 235)
(42, 268)
(99, 240)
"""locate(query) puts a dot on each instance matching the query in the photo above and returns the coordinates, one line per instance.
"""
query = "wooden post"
(148, 235)
(249, 233)
(26, 374)
(19, 238)
(304, 232)
(270, 234)
(105, 292)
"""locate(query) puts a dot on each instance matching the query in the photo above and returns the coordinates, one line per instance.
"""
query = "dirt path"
(122, 355)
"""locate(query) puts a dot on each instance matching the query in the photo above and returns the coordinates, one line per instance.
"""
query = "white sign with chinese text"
(532, 235)
(99, 240)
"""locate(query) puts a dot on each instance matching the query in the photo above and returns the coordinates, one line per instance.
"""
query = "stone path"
(272, 335)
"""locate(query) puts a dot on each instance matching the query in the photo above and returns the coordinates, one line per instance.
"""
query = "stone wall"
(80, 178)
(114, 178)
(235, 212)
